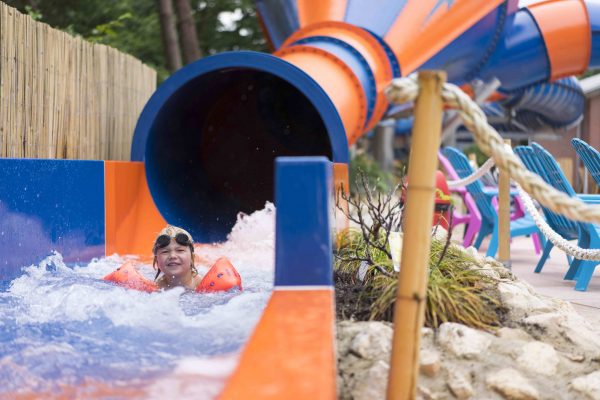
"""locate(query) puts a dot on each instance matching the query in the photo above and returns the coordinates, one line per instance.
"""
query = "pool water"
(64, 331)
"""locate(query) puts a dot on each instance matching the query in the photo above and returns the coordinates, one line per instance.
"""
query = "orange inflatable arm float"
(222, 276)
(127, 275)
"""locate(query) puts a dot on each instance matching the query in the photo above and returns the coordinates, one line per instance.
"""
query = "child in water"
(174, 257)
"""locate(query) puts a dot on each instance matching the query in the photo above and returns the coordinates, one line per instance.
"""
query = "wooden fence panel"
(63, 97)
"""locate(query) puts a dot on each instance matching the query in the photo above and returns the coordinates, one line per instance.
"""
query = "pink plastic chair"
(472, 217)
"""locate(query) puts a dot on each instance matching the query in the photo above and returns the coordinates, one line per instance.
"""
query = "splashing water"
(67, 332)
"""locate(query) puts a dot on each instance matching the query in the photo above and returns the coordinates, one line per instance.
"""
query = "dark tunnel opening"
(214, 141)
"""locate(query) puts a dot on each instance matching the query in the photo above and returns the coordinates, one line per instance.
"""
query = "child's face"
(174, 260)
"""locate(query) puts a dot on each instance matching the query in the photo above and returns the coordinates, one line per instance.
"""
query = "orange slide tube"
(565, 25)
(367, 46)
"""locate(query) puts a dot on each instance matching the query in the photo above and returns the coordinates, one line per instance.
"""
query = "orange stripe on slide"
(311, 11)
(337, 79)
(290, 355)
(132, 220)
(367, 46)
(418, 34)
(566, 29)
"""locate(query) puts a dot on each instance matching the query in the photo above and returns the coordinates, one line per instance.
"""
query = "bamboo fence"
(63, 97)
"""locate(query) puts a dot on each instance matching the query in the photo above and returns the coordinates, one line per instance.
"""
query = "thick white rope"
(489, 141)
(555, 238)
(481, 171)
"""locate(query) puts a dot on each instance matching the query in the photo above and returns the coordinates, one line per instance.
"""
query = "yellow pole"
(412, 281)
(504, 216)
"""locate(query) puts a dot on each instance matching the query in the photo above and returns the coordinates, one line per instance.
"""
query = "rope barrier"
(481, 171)
(557, 240)
(404, 90)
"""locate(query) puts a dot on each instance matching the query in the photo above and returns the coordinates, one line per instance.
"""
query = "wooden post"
(504, 216)
(412, 281)
(473, 159)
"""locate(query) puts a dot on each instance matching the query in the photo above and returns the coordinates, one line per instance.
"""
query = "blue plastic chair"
(484, 200)
(590, 157)
(589, 234)
(565, 227)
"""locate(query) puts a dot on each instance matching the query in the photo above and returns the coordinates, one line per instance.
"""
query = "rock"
(472, 252)
(345, 332)
(463, 341)
(429, 362)
(460, 384)
(588, 385)
(575, 357)
(360, 345)
(423, 393)
(374, 342)
(489, 271)
(500, 269)
(520, 300)
(371, 384)
(567, 330)
(512, 385)
(426, 333)
(363, 349)
(513, 334)
(361, 338)
(538, 357)
(492, 261)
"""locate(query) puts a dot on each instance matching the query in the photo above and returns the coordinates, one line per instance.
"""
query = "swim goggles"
(164, 240)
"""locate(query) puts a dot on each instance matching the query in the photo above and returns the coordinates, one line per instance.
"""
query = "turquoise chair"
(589, 234)
(590, 157)
(565, 227)
(523, 226)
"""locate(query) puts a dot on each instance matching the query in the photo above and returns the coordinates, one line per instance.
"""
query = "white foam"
(250, 245)
(63, 315)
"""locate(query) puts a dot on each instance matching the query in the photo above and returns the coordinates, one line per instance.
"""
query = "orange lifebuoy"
(127, 275)
(222, 276)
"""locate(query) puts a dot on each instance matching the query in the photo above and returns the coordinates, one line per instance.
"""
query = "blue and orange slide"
(254, 127)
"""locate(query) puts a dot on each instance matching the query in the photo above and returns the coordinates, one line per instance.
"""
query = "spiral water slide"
(210, 133)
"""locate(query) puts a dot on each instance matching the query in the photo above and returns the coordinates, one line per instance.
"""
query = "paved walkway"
(550, 281)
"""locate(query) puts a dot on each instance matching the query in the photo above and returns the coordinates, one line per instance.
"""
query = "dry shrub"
(456, 291)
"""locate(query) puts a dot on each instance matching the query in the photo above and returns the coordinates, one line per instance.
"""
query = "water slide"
(232, 114)
(205, 145)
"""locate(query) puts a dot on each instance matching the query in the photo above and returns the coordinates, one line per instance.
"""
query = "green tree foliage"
(225, 25)
(132, 26)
